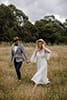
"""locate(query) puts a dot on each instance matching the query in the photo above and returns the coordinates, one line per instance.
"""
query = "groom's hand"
(27, 61)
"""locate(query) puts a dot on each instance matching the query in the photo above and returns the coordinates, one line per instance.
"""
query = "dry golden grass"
(11, 89)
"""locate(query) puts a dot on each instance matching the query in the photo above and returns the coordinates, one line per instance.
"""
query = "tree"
(50, 29)
(15, 22)
(11, 22)
(30, 34)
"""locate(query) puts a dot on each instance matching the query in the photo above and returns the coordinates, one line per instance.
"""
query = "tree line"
(15, 22)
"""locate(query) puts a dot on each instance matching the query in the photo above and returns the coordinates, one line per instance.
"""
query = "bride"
(40, 56)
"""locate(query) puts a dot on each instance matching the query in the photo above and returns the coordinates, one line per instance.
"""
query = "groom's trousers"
(17, 68)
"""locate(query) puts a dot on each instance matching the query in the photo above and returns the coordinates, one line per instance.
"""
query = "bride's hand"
(43, 46)
(28, 61)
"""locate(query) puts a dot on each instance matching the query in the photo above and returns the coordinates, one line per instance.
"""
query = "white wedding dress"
(40, 57)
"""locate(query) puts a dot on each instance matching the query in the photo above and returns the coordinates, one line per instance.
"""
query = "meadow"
(12, 89)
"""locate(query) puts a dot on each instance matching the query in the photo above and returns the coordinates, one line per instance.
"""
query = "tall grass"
(11, 89)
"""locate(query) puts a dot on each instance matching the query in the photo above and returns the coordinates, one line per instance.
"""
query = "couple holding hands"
(40, 56)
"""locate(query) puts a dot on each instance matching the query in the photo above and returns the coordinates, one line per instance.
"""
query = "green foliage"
(30, 34)
(14, 22)
(51, 30)
(10, 22)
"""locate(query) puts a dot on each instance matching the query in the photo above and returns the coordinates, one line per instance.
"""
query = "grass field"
(11, 89)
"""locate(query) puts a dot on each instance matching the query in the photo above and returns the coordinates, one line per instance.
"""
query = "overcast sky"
(36, 9)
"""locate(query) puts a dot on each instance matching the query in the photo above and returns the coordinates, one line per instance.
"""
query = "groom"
(18, 55)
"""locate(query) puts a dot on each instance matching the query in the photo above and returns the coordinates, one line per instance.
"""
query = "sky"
(37, 9)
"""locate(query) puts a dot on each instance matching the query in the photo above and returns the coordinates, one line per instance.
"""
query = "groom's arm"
(24, 53)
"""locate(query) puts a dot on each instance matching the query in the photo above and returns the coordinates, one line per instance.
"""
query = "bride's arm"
(48, 53)
(47, 50)
(34, 57)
